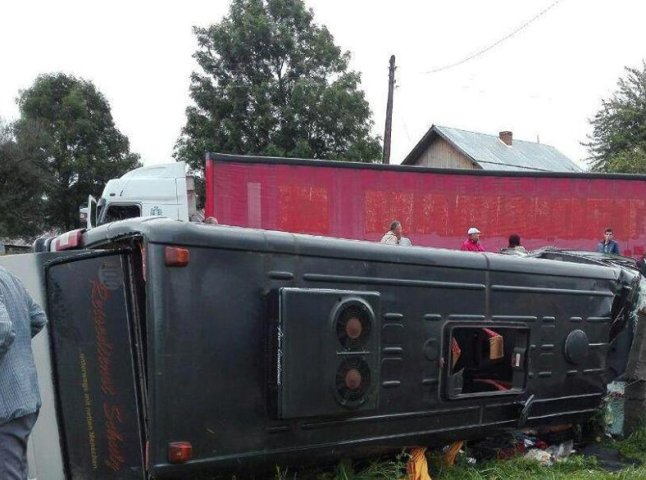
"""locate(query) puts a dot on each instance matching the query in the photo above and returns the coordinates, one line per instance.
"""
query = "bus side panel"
(248, 352)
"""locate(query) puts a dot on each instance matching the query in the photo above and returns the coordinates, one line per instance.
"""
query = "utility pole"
(389, 110)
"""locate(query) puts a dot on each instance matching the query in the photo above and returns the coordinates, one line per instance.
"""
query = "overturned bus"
(178, 348)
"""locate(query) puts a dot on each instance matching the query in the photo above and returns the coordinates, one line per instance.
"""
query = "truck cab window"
(120, 212)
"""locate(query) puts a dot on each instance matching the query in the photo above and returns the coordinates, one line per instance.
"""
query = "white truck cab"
(163, 190)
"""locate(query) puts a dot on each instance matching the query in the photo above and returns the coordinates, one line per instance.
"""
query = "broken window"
(486, 360)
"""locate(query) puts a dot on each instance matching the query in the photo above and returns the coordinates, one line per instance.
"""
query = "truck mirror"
(83, 214)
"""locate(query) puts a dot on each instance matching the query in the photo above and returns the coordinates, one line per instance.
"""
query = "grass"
(576, 467)
(634, 446)
(376, 470)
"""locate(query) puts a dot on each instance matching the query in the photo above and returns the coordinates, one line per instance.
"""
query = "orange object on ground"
(417, 467)
(452, 452)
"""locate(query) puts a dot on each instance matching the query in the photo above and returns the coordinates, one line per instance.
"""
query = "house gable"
(483, 151)
(442, 154)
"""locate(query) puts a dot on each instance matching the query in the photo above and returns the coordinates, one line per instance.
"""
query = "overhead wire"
(484, 50)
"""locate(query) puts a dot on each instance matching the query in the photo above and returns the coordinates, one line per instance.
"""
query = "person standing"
(20, 319)
(514, 245)
(394, 235)
(608, 244)
(472, 243)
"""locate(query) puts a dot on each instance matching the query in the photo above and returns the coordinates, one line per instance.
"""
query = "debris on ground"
(452, 452)
(561, 451)
(547, 446)
(541, 456)
(557, 441)
(614, 408)
(551, 454)
(417, 466)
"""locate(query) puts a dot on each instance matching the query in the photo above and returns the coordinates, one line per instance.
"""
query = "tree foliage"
(23, 180)
(618, 141)
(274, 83)
(69, 123)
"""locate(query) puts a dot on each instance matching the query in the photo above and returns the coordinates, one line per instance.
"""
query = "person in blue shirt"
(608, 244)
(20, 319)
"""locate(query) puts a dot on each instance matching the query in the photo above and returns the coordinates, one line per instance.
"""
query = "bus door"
(98, 365)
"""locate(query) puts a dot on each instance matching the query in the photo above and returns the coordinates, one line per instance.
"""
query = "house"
(444, 147)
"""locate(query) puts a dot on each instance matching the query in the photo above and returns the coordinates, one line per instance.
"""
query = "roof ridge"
(524, 167)
(495, 136)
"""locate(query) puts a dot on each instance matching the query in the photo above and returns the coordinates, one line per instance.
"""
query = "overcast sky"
(545, 82)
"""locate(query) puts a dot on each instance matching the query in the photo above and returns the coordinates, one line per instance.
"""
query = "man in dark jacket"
(608, 244)
(20, 319)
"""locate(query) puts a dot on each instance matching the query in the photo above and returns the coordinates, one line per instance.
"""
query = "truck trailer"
(176, 349)
(436, 206)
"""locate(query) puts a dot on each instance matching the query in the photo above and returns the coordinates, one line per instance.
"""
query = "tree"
(82, 147)
(274, 83)
(618, 141)
(23, 181)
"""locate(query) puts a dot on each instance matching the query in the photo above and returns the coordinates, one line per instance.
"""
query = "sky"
(544, 83)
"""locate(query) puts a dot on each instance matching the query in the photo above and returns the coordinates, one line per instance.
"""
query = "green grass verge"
(575, 467)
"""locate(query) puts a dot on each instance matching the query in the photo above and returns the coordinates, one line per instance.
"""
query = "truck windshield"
(119, 212)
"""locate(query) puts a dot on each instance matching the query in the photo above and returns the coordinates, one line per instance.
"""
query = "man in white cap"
(472, 243)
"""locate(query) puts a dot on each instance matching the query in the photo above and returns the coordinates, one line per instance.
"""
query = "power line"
(498, 42)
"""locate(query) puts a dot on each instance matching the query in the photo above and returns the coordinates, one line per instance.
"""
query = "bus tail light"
(180, 452)
(68, 241)
(176, 256)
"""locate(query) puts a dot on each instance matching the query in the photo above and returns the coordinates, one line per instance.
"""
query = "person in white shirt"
(394, 235)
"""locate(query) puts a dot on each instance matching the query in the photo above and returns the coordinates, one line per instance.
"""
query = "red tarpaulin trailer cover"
(435, 206)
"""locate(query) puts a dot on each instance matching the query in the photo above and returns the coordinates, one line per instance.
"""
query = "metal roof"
(490, 153)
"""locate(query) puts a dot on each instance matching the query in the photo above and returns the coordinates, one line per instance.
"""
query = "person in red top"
(472, 243)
